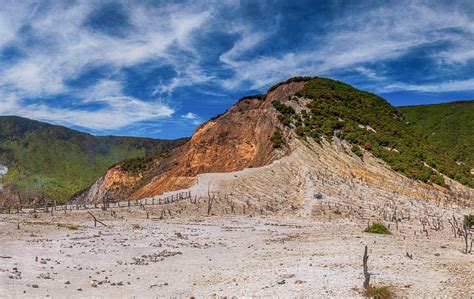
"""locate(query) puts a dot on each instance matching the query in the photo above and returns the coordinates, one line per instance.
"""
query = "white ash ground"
(266, 235)
(227, 255)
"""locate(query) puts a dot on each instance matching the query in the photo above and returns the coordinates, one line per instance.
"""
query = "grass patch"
(37, 223)
(69, 226)
(377, 228)
(378, 292)
(357, 150)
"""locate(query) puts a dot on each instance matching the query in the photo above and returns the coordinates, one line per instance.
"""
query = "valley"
(236, 149)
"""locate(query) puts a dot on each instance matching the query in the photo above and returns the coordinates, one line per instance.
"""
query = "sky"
(161, 68)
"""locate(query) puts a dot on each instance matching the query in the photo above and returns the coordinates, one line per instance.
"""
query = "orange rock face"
(238, 139)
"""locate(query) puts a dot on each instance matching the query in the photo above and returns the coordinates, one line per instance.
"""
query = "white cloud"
(194, 119)
(103, 89)
(459, 85)
(189, 115)
(68, 48)
(375, 35)
(115, 113)
(63, 48)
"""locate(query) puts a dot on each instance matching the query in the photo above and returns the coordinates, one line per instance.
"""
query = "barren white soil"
(221, 256)
(255, 233)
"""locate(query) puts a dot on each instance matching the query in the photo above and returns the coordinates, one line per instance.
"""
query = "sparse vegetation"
(377, 228)
(259, 96)
(469, 220)
(378, 292)
(357, 150)
(135, 166)
(287, 113)
(69, 226)
(277, 139)
(293, 79)
(366, 120)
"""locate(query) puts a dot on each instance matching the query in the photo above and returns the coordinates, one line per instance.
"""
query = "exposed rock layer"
(238, 139)
(241, 139)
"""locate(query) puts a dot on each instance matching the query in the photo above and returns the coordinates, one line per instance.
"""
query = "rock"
(35, 286)
(318, 195)
(67, 282)
(282, 282)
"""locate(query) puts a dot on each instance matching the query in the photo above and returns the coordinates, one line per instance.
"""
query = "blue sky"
(160, 68)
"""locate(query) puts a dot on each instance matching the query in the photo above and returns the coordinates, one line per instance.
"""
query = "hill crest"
(259, 130)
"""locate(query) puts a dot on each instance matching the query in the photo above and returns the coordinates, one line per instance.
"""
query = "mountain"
(447, 126)
(305, 122)
(59, 162)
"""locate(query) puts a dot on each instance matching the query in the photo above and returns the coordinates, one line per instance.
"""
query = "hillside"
(314, 161)
(447, 126)
(59, 161)
(262, 129)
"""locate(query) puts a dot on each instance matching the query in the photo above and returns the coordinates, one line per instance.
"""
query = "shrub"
(378, 292)
(356, 150)
(377, 228)
(277, 139)
(72, 227)
(293, 79)
(469, 220)
(438, 180)
(260, 97)
(135, 166)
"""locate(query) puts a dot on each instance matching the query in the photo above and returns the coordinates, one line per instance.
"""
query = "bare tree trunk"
(96, 220)
(366, 269)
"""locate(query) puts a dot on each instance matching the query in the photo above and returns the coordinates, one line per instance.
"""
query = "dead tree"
(465, 234)
(210, 200)
(462, 229)
(96, 220)
(147, 215)
(366, 269)
(105, 202)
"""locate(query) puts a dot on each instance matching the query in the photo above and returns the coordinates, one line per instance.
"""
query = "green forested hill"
(448, 126)
(59, 161)
(370, 122)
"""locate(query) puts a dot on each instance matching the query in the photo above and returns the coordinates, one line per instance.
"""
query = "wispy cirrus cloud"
(56, 46)
(360, 40)
(126, 66)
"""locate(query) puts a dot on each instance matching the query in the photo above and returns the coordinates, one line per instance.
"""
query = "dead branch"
(96, 220)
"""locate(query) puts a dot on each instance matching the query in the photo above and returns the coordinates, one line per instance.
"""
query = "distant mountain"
(448, 126)
(59, 162)
(295, 115)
